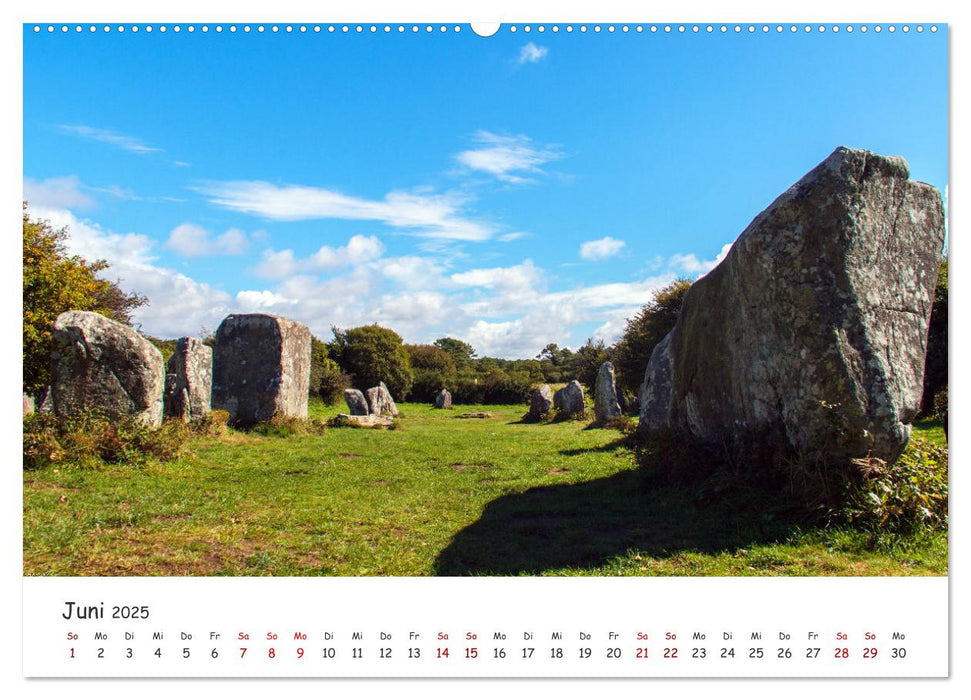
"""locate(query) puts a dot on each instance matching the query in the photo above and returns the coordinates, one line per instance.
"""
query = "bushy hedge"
(90, 439)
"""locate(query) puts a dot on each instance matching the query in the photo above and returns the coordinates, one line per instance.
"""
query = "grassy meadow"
(439, 495)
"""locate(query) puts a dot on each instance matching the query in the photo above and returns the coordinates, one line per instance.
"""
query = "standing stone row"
(258, 368)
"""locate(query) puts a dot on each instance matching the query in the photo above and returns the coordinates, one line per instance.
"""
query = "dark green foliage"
(645, 330)
(327, 381)
(555, 363)
(462, 353)
(492, 387)
(166, 347)
(55, 282)
(935, 364)
(372, 354)
(90, 439)
(434, 369)
(585, 362)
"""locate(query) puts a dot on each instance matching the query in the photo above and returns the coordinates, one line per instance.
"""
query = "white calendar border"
(438, 10)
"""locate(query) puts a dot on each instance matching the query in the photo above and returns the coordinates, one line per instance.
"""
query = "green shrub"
(899, 497)
(91, 439)
(213, 424)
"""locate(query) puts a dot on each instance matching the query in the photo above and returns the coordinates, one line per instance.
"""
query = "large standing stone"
(102, 364)
(261, 368)
(540, 402)
(605, 401)
(443, 399)
(811, 334)
(188, 383)
(380, 401)
(356, 403)
(569, 399)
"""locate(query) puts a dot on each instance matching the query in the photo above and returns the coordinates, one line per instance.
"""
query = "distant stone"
(101, 364)
(380, 401)
(540, 402)
(811, 334)
(605, 403)
(261, 368)
(356, 403)
(367, 421)
(569, 399)
(476, 415)
(28, 404)
(443, 399)
(188, 383)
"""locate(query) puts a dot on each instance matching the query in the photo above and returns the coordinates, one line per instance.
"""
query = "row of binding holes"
(428, 28)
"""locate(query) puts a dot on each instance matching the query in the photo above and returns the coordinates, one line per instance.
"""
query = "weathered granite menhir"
(569, 400)
(811, 334)
(356, 403)
(261, 368)
(188, 383)
(540, 402)
(380, 401)
(101, 364)
(443, 399)
(606, 404)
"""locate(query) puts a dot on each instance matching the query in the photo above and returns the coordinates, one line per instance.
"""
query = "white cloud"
(194, 241)
(514, 236)
(430, 216)
(508, 158)
(277, 264)
(359, 249)
(262, 300)
(178, 305)
(531, 53)
(690, 264)
(112, 138)
(601, 248)
(516, 279)
(57, 193)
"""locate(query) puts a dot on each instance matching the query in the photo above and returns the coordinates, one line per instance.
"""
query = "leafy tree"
(326, 378)
(372, 354)
(645, 330)
(586, 361)
(434, 369)
(935, 364)
(462, 353)
(55, 282)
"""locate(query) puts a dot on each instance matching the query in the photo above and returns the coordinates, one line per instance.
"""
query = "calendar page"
(401, 345)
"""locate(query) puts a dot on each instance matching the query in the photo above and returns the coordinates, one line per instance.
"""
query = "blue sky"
(511, 191)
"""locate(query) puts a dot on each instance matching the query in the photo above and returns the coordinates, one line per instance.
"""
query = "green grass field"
(442, 495)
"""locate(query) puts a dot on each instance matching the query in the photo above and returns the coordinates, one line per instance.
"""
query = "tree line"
(362, 357)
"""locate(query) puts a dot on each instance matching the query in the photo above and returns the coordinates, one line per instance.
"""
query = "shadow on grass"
(587, 524)
(613, 445)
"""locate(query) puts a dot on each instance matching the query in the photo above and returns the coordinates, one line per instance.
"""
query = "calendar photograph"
(452, 300)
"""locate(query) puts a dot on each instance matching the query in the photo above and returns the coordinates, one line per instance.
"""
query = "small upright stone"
(569, 399)
(188, 384)
(540, 402)
(261, 368)
(101, 364)
(356, 403)
(443, 399)
(605, 403)
(28, 404)
(380, 401)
